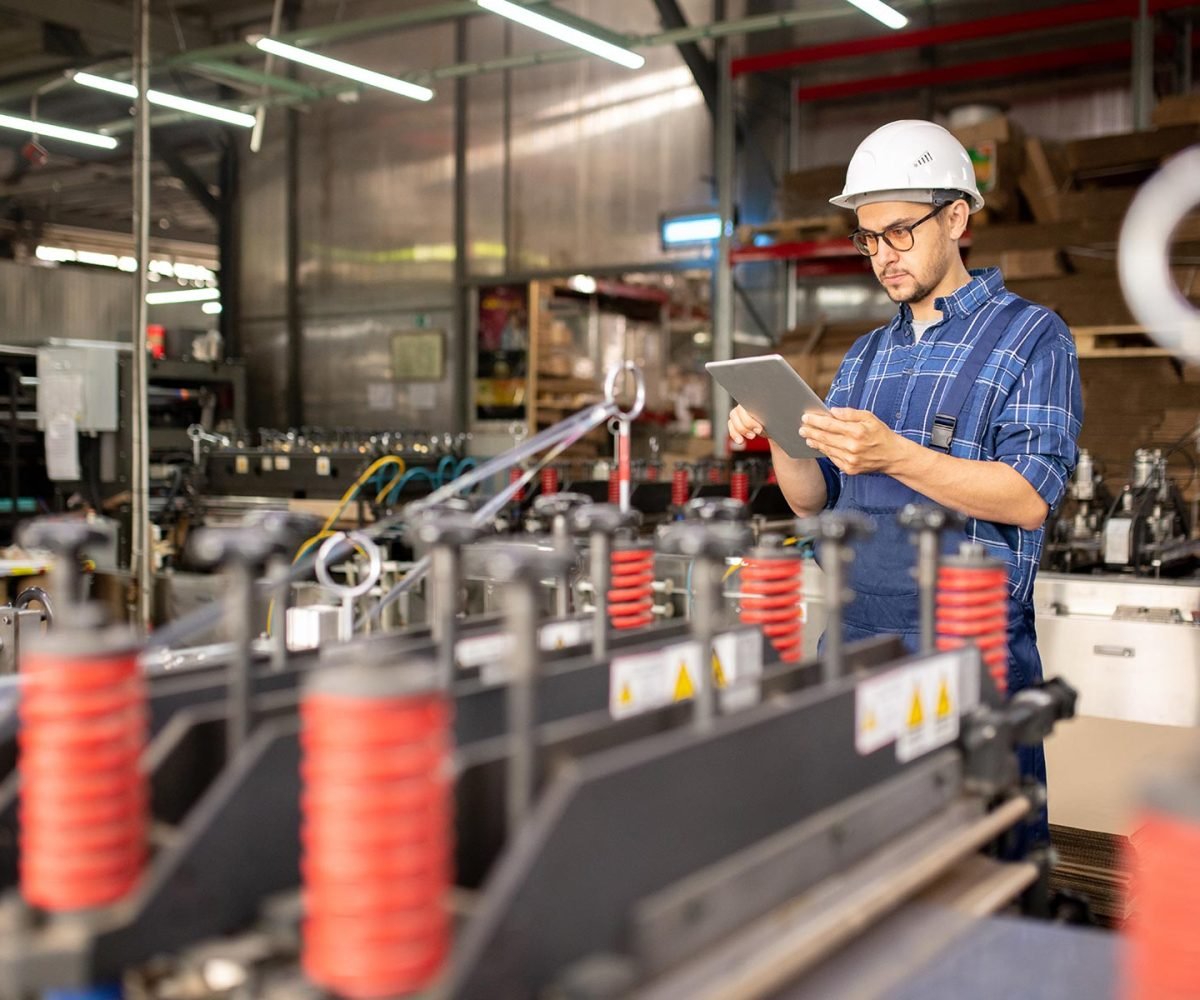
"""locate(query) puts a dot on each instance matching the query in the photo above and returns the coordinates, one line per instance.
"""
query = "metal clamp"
(364, 545)
(639, 390)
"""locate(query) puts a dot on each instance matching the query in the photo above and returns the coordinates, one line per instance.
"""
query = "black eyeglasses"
(899, 238)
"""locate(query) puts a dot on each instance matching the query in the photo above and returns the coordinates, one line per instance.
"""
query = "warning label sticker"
(490, 652)
(737, 668)
(642, 682)
(917, 707)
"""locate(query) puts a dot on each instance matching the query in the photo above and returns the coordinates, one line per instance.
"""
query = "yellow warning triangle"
(718, 671)
(684, 688)
(943, 702)
(625, 696)
(916, 714)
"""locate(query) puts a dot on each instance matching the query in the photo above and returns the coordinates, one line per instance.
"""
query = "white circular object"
(366, 547)
(1144, 255)
(639, 383)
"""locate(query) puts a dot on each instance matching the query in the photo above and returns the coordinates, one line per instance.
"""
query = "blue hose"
(445, 468)
(465, 466)
(404, 481)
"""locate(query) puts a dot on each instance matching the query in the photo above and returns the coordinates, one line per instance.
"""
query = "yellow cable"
(326, 528)
(732, 569)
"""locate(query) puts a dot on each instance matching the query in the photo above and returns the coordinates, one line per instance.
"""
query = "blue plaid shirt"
(1025, 411)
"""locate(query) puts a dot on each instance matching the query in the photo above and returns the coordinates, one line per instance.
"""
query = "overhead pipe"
(989, 27)
(963, 72)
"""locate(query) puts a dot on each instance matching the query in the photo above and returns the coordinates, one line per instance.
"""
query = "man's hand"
(742, 426)
(856, 441)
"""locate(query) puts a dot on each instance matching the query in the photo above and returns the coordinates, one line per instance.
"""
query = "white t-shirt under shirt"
(921, 325)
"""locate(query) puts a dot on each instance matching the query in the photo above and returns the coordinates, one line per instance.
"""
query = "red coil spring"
(614, 486)
(630, 601)
(83, 794)
(972, 607)
(653, 472)
(376, 838)
(715, 473)
(1163, 958)
(681, 487)
(772, 588)
(513, 475)
(739, 485)
(549, 481)
(771, 477)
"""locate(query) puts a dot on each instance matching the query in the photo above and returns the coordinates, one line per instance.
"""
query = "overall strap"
(859, 390)
(941, 428)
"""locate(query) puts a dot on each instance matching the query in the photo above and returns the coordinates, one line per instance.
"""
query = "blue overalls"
(881, 575)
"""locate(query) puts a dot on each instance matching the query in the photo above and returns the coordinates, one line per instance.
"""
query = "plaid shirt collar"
(985, 284)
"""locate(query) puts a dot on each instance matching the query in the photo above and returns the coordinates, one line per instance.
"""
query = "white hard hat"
(909, 161)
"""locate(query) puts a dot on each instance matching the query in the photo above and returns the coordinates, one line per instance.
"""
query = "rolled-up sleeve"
(1037, 429)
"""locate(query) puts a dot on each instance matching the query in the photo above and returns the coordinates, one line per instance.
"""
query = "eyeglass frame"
(883, 235)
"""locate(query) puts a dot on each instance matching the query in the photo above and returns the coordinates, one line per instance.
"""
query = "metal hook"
(639, 384)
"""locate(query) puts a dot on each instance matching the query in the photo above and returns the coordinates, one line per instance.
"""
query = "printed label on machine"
(642, 682)
(737, 666)
(916, 707)
(489, 652)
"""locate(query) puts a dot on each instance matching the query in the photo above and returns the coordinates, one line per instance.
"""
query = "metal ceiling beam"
(703, 70)
(106, 20)
(192, 181)
(256, 78)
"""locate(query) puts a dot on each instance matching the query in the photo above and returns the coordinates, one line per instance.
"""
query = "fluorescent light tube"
(681, 230)
(881, 12)
(164, 100)
(348, 70)
(58, 132)
(564, 32)
(183, 295)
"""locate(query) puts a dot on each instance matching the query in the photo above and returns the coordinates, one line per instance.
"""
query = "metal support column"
(460, 352)
(140, 564)
(722, 307)
(1143, 66)
(791, 311)
(229, 243)
(295, 321)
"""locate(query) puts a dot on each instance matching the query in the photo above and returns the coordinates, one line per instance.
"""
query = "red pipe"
(988, 27)
(978, 70)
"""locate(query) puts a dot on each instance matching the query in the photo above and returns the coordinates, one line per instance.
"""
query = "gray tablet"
(770, 390)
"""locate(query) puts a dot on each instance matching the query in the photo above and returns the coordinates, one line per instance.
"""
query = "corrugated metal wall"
(41, 302)
(597, 153)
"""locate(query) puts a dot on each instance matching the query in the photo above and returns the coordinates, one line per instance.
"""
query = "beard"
(922, 285)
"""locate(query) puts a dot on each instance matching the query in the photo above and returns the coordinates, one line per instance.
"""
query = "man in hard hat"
(969, 398)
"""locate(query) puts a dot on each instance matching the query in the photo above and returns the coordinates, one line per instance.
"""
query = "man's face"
(912, 275)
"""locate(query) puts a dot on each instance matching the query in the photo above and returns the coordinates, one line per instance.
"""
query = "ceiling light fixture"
(339, 68)
(58, 132)
(564, 33)
(183, 295)
(163, 100)
(881, 12)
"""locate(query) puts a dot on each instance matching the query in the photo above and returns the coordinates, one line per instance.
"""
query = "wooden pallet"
(1116, 342)
(813, 227)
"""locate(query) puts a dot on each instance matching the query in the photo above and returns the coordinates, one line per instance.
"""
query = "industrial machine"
(575, 796)
(1145, 530)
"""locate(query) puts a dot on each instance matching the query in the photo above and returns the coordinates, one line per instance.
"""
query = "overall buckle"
(942, 432)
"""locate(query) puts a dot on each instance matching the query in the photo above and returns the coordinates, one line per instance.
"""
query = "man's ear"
(957, 217)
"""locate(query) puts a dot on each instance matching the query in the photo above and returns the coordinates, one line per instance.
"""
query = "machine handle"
(1125, 651)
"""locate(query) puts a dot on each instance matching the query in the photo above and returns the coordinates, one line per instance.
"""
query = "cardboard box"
(1023, 264)
(1178, 109)
(1111, 155)
(997, 129)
